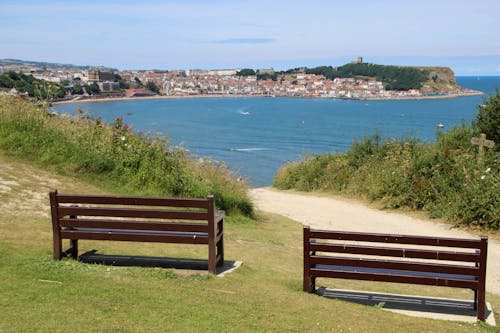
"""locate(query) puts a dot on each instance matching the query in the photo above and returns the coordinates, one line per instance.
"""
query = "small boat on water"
(440, 125)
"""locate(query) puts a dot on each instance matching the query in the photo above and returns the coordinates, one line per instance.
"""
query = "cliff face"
(441, 80)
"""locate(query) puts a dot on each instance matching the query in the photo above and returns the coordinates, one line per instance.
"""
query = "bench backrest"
(81, 213)
(462, 257)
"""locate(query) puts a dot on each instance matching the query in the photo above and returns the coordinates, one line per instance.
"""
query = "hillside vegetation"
(27, 84)
(443, 178)
(393, 77)
(114, 156)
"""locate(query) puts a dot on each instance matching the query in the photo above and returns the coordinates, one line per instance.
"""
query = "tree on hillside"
(267, 76)
(77, 89)
(122, 82)
(138, 82)
(92, 89)
(327, 71)
(6, 81)
(151, 86)
(246, 72)
(488, 119)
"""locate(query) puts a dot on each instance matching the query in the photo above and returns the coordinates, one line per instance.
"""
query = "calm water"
(255, 136)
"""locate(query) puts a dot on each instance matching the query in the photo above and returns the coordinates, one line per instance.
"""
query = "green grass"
(114, 156)
(264, 295)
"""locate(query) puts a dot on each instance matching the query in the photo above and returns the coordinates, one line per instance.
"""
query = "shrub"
(488, 118)
(443, 178)
(114, 155)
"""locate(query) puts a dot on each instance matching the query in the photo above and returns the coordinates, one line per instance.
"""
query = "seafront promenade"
(95, 99)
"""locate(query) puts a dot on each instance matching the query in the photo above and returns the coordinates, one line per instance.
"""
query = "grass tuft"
(114, 156)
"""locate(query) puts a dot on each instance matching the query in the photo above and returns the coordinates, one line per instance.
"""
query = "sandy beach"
(337, 214)
(125, 98)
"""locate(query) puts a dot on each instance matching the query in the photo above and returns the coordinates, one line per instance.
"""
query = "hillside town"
(227, 82)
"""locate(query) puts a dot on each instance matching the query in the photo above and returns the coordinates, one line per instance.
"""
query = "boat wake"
(244, 150)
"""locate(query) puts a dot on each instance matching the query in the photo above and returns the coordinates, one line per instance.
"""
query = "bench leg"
(74, 248)
(309, 284)
(220, 251)
(481, 302)
(220, 243)
(211, 258)
(57, 247)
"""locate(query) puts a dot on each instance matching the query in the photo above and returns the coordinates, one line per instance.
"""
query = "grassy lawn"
(265, 294)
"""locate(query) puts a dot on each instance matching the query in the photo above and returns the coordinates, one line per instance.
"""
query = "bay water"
(255, 136)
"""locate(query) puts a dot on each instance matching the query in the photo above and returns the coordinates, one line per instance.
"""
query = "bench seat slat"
(133, 212)
(137, 236)
(388, 265)
(360, 273)
(129, 200)
(135, 225)
(399, 239)
(396, 252)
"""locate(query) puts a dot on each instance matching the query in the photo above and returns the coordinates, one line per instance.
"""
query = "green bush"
(488, 119)
(114, 155)
(443, 178)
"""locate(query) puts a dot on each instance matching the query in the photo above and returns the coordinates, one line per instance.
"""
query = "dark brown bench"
(137, 219)
(449, 262)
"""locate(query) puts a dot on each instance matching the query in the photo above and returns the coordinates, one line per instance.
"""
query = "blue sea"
(255, 136)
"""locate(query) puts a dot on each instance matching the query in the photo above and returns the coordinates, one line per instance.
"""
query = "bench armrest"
(219, 215)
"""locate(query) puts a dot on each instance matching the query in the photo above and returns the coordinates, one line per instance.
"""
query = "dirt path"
(331, 213)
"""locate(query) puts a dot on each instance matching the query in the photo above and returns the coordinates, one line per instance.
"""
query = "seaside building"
(108, 86)
(222, 72)
(100, 76)
(266, 71)
(136, 92)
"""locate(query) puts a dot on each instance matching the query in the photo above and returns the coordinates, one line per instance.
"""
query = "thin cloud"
(244, 41)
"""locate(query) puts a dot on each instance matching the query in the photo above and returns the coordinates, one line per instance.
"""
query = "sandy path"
(335, 214)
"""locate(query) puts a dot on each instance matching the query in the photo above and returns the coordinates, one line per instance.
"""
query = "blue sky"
(464, 35)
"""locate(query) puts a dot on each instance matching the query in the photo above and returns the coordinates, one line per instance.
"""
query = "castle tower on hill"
(358, 61)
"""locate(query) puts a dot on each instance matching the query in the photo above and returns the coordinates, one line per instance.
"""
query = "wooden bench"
(137, 219)
(449, 262)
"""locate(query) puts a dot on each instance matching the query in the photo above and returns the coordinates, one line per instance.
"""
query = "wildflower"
(483, 177)
(488, 170)
(123, 138)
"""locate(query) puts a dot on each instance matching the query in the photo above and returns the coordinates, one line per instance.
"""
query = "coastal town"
(109, 83)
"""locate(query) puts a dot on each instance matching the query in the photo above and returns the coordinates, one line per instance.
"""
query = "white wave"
(248, 149)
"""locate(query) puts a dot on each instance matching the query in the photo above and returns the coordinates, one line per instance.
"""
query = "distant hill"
(440, 79)
(16, 63)
(426, 79)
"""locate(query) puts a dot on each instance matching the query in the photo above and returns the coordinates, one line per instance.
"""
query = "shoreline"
(450, 96)
(381, 98)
